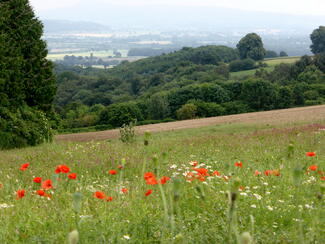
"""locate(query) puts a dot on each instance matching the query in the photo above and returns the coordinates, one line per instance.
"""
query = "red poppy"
(47, 184)
(112, 172)
(202, 171)
(124, 190)
(149, 175)
(40, 193)
(310, 154)
(242, 188)
(72, 176)
(164, 180)
(99, 195)
(37, 179)
(216, 173)
(200, 177)
(23, 167)
(62, 169)
(257, 173)
(313, 167)
(239, 164)
(152, 181)
(109, 199)
(20, 194)
(276, 172)
(267, 172)
(322, 178)
(148, 193)
(120, 167)
(150, 178)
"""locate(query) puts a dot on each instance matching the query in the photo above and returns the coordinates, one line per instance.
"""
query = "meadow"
(229, 183)
(271, 63)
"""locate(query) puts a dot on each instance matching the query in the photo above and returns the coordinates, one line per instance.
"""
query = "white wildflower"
(243, 194)
(126, 237)
(258, 197)
(174, 166)
(5, 205)
(270, 208)
(253, 206)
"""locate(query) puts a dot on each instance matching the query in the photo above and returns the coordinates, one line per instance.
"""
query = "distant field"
(276, 61)
(100, 54)
(272, 62)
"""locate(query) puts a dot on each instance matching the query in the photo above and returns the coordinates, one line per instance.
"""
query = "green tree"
(283, 54)
(187, 111)
(26, 78)
(251, 46)
(120, 113)
(318, 40)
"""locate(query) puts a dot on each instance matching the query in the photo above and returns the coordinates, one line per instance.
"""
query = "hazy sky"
(306, 7)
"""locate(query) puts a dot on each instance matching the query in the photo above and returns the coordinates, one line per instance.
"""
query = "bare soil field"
(299, 115)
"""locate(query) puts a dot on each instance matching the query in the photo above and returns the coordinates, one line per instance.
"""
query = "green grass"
(273, 209)
(271, 64)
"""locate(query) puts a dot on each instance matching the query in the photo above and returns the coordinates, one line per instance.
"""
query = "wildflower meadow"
(221, 184)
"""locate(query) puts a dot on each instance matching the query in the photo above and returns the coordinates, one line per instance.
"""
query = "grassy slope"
(272, 62)
(180, 211)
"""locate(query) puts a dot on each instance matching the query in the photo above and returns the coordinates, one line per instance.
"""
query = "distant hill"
(67, 26)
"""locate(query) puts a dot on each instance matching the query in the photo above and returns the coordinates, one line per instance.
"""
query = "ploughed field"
(292, 116)
(251, 178)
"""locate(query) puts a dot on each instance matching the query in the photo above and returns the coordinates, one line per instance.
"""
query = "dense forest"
(189, 83)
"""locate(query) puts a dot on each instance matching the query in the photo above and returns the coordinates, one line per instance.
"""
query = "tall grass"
(240, 207)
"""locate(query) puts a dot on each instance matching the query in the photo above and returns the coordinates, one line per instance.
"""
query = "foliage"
(318, 40)
(271, 54)
(22, 127)
(187, 111)
(27, 84)
(127, 132)
(244, 64)
(251, 46)
(283, 54)
(120, 113)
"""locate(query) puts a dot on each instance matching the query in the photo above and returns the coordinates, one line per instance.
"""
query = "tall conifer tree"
(27, 83)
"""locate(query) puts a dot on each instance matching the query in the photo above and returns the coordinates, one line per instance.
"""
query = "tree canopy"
(318, 40)
(251, 46)
(26, 78)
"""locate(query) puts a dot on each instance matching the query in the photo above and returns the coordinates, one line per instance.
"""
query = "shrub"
(23, 127)
(207, 109)
(236, 107)
(187, 111)
(127, 132)
(120, 113)
(240, 65)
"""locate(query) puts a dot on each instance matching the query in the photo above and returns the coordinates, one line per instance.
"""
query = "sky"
(301, 7)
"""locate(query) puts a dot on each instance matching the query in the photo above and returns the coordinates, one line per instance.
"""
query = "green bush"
(236, 107)
(239, 65)
(23, 127)
(187, 111)
(120, 113)
(208, 109)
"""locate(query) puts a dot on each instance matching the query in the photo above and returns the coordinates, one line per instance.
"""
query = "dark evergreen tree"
(26, 78)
